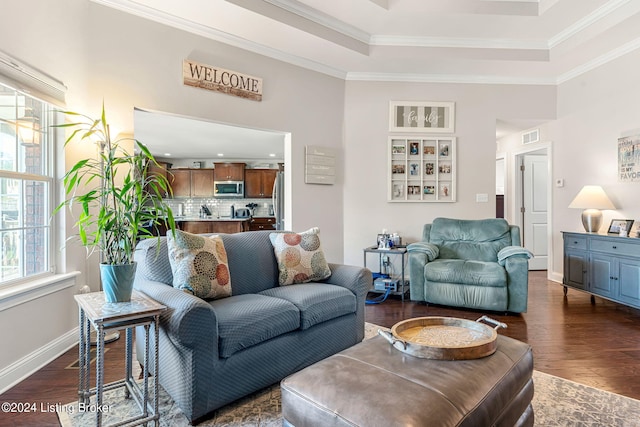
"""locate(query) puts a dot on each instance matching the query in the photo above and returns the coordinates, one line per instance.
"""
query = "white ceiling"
(173, 136)
(469, 41)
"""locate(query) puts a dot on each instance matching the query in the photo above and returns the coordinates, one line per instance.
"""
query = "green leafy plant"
(120, 203)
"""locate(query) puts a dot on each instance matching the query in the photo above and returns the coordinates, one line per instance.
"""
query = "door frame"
(514, 196)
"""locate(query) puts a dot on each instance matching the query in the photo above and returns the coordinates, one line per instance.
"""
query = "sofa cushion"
(470, 239)
(199, 265)
(317, 302)
(252, 263)
(300, 257)
(466, 272)
(249, 319)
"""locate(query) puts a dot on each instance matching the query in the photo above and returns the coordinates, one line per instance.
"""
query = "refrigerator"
(278, 200)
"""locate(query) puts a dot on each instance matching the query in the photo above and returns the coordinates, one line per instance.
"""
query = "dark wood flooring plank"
(593, 344)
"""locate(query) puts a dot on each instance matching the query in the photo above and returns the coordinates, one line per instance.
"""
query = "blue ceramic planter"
(117, 281)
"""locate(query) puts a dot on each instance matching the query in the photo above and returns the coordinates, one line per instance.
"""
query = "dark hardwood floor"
(593, 344)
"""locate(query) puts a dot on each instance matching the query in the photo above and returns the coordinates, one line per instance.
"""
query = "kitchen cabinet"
(192, 182)
(213, 226)
(159, 169)
(603, 265)
(180, 180)
(202, 183)
(258, 183)
(262, 223)
(230, 226)
(228, 171)
(196, 227)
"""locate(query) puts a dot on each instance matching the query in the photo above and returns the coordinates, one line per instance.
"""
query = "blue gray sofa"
(214, 352)
(470, 263)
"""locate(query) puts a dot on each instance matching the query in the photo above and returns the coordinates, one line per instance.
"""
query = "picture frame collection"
(422, 167)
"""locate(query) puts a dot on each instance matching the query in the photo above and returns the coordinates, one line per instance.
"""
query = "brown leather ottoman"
(372, 384)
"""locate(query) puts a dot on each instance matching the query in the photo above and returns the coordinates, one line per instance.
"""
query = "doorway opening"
(532, 203)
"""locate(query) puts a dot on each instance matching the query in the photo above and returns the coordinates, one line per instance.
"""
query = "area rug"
(557, 402)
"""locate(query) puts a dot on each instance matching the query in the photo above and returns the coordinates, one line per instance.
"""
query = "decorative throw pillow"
(300, 257)
(199, 265)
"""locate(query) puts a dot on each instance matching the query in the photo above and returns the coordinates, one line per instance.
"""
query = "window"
(26, 185)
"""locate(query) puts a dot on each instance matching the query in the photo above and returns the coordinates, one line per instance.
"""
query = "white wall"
(367, 211)
(103, 54)
(594, 110)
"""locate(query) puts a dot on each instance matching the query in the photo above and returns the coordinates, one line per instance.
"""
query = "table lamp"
(591, 198)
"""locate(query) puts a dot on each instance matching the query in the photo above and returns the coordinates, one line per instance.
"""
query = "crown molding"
(457, 42)
(217, 35)
(321, 18)
(446, 78)
(586, 22)
(600, 60)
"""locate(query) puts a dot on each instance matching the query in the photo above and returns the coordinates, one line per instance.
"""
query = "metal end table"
(104, 317)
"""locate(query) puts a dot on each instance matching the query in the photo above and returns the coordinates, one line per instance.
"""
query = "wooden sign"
(426, 117)
(221, 80)
(320, 165)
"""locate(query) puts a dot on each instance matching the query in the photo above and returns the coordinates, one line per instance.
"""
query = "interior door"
(534, 198)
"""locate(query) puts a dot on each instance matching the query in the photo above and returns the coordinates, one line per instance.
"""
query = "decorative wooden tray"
(444, 338)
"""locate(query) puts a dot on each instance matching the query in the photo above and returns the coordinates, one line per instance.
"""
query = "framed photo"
(617, 224)
(398, 149)
(428, 117)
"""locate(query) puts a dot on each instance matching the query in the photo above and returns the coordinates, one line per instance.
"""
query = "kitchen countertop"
(209, 218)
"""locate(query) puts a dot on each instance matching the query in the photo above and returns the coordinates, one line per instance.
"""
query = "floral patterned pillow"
(199, 265)
(300, 257)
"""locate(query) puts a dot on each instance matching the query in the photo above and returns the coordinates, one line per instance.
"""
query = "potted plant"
(120, 203)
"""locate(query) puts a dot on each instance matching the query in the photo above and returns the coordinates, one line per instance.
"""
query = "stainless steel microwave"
(228, 189)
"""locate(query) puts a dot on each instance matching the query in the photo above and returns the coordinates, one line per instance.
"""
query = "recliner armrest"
(513, 251)
(429, 249)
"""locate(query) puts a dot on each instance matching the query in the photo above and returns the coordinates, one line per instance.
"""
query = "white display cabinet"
(422, 169)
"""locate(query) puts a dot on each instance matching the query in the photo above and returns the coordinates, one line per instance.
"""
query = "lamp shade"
(592, 197)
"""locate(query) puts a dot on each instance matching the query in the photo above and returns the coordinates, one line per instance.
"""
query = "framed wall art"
(426, 117)
(422, 169)
(629, 158)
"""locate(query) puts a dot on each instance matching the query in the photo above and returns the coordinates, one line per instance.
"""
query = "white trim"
(457, 42)
(9, 61)
(26, 366)
(322, 19)
(514, 194)
(448, 78)
(586, 22)
(22, 292)
(381, 40)
(217, 35)
(600, 60)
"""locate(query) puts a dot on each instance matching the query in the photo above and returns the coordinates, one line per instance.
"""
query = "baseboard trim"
(31, 363)
(555, 277)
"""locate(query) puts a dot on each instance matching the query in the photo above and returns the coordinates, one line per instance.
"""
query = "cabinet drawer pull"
(614, 247)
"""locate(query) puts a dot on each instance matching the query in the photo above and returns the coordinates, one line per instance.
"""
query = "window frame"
(48, 158)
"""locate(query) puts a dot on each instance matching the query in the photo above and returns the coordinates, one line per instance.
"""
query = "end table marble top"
(98, 310)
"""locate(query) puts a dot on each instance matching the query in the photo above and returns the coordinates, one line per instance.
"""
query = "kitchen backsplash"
(218, 207)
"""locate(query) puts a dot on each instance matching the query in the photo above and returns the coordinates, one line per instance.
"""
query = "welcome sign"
(221, 80)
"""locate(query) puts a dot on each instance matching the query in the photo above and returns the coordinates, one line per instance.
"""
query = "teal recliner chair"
(470, 263)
